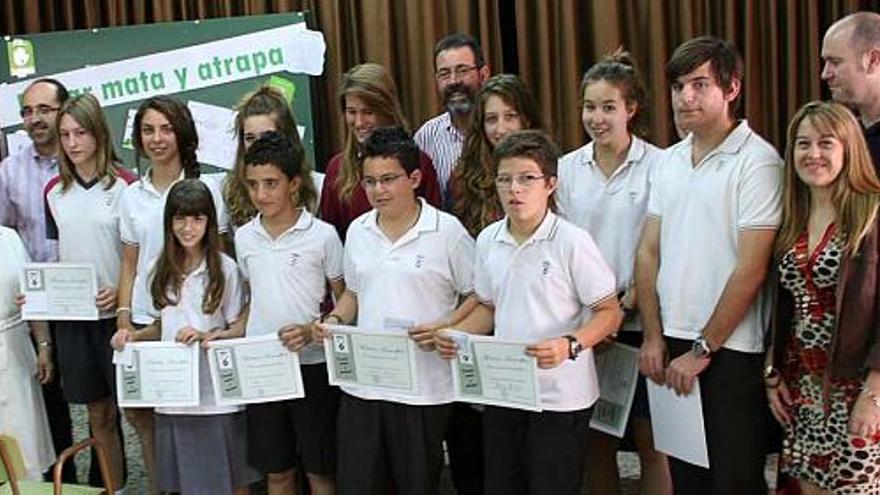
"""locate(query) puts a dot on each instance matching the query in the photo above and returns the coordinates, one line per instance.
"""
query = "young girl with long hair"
(603, 188)
(368, 98)
(259, 112)
(504, 105)
(83, 214)
(165, 135)
(197, 295)
(823, 374)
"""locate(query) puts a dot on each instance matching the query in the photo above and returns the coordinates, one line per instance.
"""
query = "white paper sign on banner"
(216, 128)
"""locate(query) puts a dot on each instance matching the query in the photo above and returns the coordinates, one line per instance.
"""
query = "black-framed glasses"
(459, 71)
(40, 110)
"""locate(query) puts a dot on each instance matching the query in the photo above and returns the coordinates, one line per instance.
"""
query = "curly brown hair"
(475, 201)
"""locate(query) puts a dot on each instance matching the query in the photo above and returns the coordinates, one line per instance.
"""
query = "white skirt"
(22, 412)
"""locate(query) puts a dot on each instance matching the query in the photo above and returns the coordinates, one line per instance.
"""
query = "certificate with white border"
(158, 374)
(370, 359)
(488, 370)
(618, 373)
(59, 291)
(254, 369)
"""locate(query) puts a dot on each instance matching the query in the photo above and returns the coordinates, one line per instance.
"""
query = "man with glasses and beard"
(460, 70)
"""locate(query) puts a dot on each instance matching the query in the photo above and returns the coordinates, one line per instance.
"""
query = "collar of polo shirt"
(429, 221)
(546, 230)
(302, 223)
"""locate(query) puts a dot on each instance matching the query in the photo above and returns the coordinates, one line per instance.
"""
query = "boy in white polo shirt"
(540, 278)
(713, 213)
(288, 256)
(407, 265)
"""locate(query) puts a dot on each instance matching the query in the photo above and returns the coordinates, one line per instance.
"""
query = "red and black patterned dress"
(817, 447)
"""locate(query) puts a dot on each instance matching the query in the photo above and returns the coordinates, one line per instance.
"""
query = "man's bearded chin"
(459, 99)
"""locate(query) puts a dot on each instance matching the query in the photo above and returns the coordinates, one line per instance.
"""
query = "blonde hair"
(86, 111)
(855, 192)
(268, 101)
(372, 83)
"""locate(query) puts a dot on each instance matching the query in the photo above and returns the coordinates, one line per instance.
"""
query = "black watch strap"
(574, 347)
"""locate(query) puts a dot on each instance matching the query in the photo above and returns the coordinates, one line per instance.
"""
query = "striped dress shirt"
(442, 141)
(23, 175)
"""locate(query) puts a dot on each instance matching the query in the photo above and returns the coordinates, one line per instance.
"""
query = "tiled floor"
(628, 462)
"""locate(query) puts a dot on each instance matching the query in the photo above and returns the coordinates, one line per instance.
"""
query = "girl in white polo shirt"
(540, 279)
(198, 293)
(407, 265)
(83, 215)
(288, 257)
(603, 188)
(165, 134)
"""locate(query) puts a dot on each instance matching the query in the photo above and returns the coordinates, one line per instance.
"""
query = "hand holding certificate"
(254, 369)
(158, 374)
(370, 359)
(487, 370)
(59, 291)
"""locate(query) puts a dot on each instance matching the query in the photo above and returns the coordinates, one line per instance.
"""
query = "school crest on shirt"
(545, 268)
(420, 260)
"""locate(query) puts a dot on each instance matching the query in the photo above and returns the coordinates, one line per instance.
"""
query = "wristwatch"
(574, 347)
(700, 348)
(772, 377)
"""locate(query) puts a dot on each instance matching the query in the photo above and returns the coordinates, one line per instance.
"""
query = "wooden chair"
(12, 469)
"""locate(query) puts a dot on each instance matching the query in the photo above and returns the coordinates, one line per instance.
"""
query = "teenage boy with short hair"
(287, 256)
(407, 266)
(704, 254)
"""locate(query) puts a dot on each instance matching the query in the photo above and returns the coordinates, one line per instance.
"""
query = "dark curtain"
(552, 43)
(780, 41)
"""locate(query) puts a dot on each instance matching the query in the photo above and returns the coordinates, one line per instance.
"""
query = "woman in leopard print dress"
(823, 384)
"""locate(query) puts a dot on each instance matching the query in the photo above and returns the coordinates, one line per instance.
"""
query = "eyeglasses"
(460, 71)
(41, 110)
(525, 180)
(385, 180)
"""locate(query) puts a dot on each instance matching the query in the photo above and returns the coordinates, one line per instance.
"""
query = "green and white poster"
(209, 64)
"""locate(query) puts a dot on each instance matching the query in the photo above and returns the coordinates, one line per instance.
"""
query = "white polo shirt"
(142, 212)
(702, 210)
(541, 289)
(85, 221)
(188, 312)
(612, 209)
(416, 279)
(288, 274)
